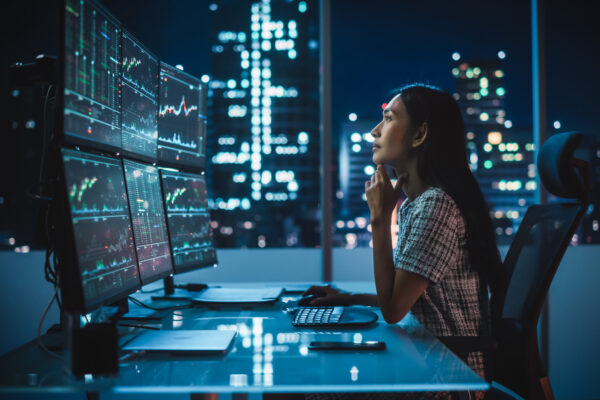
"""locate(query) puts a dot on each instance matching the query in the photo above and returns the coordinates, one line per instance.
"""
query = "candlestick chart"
(188, 217)
(139, 99)
(101, 224)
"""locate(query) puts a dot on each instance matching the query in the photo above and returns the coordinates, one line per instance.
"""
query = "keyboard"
(332, 316)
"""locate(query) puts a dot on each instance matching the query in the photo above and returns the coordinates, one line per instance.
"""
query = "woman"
(446, 254)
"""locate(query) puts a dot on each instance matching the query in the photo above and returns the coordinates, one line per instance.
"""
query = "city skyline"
(396, 46)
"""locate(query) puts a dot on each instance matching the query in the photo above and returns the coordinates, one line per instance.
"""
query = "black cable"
(141, 304)
(140, 326)
(44, 141)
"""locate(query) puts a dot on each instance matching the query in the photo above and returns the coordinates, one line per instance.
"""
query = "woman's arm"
(397, 290)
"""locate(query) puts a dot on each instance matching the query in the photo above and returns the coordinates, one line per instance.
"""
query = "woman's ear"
(420, 135)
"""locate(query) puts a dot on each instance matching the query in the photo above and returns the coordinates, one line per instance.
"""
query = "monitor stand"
(125, 313)
(181, 293)
(221, 296)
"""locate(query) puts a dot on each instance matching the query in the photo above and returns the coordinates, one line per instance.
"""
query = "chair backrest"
(532, 260)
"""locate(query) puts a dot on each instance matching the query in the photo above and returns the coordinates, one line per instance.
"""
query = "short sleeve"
(429, 245)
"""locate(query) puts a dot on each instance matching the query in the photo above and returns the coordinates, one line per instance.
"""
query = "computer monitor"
(188, 219)
(149, 223)
(181, 119)
(139, 102)
(91, 54)
(104, 267)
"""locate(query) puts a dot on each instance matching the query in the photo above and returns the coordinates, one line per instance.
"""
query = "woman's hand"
(382, 196)
(325, 296)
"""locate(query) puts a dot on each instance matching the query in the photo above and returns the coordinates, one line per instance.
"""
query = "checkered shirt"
(432, 243)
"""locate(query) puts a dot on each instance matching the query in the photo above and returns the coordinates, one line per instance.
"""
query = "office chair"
(530, 264)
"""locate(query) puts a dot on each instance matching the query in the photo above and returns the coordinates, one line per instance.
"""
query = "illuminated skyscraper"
(500, 155)
(263, 141)
(355, 167)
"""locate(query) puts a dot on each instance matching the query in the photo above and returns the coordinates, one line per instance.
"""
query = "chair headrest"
(555, 167)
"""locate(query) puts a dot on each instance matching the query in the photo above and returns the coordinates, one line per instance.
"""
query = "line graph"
(131, 62)
(176, 110)
(176, 140)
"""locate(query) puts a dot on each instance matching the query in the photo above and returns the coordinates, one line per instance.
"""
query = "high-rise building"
(263, 140)
(501, 156)
(355, 167)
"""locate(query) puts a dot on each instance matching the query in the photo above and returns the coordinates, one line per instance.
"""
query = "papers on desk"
(237, 295)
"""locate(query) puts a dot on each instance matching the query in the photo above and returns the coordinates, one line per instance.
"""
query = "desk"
(268, 355)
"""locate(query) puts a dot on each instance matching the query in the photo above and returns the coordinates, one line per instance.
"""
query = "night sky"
(378, 45)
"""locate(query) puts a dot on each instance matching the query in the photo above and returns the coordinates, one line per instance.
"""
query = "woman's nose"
(375, 131)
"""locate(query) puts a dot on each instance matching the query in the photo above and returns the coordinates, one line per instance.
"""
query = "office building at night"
(501, 156)
(263, 141)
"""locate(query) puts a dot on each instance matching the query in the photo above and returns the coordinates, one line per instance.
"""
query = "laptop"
(209, 342)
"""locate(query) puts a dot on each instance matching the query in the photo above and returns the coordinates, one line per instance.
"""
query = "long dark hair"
(442, 162)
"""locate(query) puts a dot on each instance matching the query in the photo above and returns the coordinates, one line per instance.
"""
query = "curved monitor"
(188, 218)
(149, 223)
(104, 252)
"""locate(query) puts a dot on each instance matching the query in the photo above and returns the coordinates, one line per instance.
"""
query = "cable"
(141, 304)
(39, 330)
(141, 326)
(43, 160)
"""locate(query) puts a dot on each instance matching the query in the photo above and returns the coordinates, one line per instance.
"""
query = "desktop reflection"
(269, 354)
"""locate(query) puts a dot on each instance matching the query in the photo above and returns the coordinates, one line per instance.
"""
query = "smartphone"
(366, 345)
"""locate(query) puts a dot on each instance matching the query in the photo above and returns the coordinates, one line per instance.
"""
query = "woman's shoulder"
(436, 200)
(435, 195)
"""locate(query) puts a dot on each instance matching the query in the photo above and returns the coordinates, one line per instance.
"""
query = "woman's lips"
(375, 148)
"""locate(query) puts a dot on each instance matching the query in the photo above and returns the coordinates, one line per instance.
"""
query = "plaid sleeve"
(430, 245)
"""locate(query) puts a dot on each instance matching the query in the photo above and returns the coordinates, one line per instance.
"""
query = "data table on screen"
(92, 97)
(149, 222)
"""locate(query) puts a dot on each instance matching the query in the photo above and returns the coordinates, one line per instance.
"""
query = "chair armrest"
(465, 344)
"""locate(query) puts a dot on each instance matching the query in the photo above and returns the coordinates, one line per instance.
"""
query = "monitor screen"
(92, 72)
(186, 202)
(139, 99)
(149, 223)
(181, 119)
(101, 224)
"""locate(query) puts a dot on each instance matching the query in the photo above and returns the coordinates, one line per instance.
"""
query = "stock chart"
(186, 201)
(139, 99)
(149, 223)
(91, 75)
(101, 225)
(181, 118)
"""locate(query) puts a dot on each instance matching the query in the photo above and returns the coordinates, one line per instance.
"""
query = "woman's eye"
(387, 118)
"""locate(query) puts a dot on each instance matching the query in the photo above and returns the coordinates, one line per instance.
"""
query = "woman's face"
(393, 137)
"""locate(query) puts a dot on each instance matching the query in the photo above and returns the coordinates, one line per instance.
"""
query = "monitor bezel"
(128, 153)
(69, 140)
(180, 270)
(175, 164)
(165, 274)
(71, 282)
